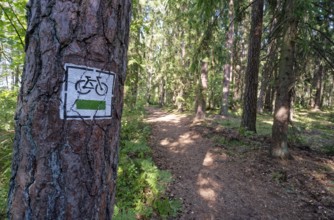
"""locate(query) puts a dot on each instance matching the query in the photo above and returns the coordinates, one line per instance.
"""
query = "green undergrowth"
(7, 109)
(141, 185)
(314, 129)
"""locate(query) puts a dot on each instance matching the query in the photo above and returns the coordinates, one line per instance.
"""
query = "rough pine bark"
(286, 80)
(248, 121)
(66, 169)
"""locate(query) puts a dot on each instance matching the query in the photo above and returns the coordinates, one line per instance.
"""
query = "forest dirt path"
(215, 183)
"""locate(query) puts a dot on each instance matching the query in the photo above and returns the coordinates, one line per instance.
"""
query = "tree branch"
(17, 18)
(11, 22)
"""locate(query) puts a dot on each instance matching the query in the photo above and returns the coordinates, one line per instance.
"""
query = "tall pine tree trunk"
(286, 80)
(62, 168)
(228, 67)
(248, 121)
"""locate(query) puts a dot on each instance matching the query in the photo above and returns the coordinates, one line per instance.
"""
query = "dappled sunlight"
(269, 122)
(298, 158)
(167, 118)
(282, 114)
(208, 160)
(207, 188)
(182, 143)
(323, 179)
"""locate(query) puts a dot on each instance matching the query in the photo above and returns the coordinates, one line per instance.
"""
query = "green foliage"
(140, 184)
(246, 133)
(13, 28)
(6, 141)
(7, 109)
(167, 208)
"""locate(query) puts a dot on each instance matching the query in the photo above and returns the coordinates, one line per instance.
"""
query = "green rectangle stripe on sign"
(90, 104)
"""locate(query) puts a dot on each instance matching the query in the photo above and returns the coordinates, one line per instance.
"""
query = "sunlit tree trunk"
(66, 169)
(201, 91)
(228, 67)
(286, 80)
(248, 121)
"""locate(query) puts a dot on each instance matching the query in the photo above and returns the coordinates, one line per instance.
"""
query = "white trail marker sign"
(86, 93)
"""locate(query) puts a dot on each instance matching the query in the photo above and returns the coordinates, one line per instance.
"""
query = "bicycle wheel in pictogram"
(101, 90)
(80, 87)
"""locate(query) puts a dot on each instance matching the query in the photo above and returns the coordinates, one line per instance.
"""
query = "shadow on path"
(211, 184)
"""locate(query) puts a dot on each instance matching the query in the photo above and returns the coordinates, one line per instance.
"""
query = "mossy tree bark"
(66, 169)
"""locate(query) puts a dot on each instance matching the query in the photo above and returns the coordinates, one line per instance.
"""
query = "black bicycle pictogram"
(85, 86)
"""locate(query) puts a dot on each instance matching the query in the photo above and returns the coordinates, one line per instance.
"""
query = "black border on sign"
(66, 86)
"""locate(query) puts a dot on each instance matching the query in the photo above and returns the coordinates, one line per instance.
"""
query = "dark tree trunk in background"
(201, 92)
(228, 67)
(17, 77)
(180, 95)
(269, 97)
(286, 80)
(66, 169)
(248, 121)
(318, 87)
(267, 73)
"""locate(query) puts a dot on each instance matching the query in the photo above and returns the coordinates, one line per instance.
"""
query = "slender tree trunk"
(331, 92)
(136, 70)
(286, 80)
(63, 168)
(318, 88)
(248, 121)
(180, 95)
(228, 67)
(17, 76)
(267, 72)
(201, 92)
(162, 92)
(134, 85)
(269, 97)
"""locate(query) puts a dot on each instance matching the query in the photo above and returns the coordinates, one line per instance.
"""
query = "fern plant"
(140, 185)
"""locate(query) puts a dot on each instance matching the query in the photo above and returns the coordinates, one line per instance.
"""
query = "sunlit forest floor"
(219, 173)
